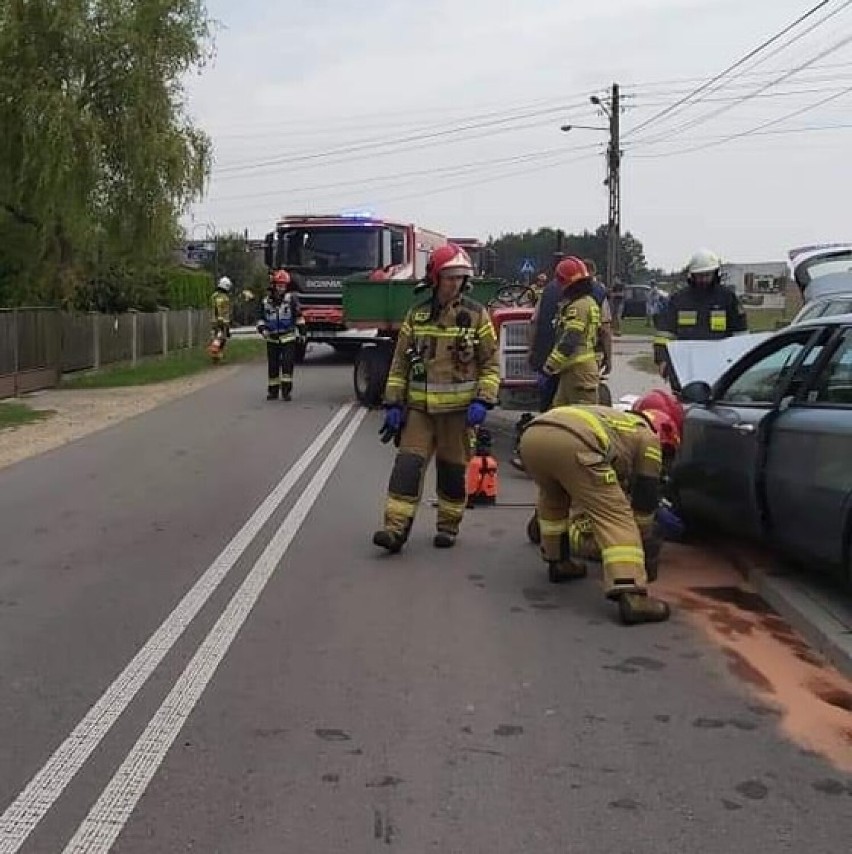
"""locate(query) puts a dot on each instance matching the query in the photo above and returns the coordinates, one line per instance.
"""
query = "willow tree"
(98, 157)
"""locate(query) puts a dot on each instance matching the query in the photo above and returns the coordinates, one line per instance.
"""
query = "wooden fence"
(38, 345)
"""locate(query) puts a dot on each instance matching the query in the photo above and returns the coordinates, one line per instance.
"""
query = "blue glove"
(392, 426)
(545, 381)
(476, 413)
(671, 526)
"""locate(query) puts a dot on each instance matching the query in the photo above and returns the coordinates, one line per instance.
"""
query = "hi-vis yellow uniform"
(580, 455)
(574, 358)
(445, 358)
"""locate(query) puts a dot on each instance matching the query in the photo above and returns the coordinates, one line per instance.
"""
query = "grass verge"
(157, 369)
(14, 414)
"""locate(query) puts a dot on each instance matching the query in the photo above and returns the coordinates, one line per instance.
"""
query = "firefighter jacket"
(698, 314)
(221, 303)
(445, 358)
(623, 441)
(577, 326)
(281, 320)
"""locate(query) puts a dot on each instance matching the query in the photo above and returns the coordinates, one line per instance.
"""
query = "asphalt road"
(200, 650)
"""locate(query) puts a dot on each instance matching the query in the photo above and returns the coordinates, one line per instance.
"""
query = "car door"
(717, 477)
(809, 461)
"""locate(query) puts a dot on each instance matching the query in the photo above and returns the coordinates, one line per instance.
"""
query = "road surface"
(200, 650)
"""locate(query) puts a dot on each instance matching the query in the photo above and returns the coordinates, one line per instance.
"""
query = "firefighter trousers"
(578, 384)
(447, 438)
(280, 358)
(569, 471)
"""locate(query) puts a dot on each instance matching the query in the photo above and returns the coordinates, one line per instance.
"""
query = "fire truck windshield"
(330, 249)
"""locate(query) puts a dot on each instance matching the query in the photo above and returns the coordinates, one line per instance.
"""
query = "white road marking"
(29, 808)
(105, 821)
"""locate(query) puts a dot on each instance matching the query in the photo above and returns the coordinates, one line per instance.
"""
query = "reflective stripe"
(654, 454)
(718, 321)
(441, 388)
(562, 362)
(401, 507)
(396, 381)
(550, 528)
(451, 508)
(596, 426)
(663, 338)
(441, 331)
(687, 318)
(405, 329)
(623, 554)
(445, 400)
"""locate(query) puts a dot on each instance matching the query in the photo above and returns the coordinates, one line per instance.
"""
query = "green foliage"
(98, 158)
(188, 288)
(542, 245)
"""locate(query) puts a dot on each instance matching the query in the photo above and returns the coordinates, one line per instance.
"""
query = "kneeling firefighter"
(282, 325)
(582, 454)
(573, 359)
(444, 378)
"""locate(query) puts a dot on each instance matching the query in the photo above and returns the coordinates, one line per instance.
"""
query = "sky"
(447, 113)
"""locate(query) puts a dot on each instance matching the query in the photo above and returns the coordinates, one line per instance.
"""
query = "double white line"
(108, 816)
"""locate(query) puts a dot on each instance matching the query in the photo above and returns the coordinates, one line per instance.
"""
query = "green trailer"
(378, 309)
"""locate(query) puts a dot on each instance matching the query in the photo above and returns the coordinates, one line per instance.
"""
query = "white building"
(762, 284)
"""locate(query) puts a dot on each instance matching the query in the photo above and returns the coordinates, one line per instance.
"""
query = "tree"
(542, 245)
(97, 156)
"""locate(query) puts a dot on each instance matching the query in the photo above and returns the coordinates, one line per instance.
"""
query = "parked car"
(767, 447)
(824, 276)
(635, 300)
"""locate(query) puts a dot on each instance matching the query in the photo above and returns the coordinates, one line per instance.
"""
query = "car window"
(839, 306)
(817, 309)
(760, 382)
(834, 385)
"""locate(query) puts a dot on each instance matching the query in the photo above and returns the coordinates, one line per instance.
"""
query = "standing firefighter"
(282, 325)
(220, 326)
(582, 455)
(573, 358)
(705, 310)
(443, 380)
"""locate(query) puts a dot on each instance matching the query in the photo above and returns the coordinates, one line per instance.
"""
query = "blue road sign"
(527, 267)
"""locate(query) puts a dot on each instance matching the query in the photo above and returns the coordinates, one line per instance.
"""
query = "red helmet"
(448, 259)
(571, 270)
(280, 278)
(663, 402)
(665, 428)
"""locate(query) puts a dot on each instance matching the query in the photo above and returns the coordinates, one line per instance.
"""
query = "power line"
(754, 130)
(698, 90)
(745, 98)
(383, 143)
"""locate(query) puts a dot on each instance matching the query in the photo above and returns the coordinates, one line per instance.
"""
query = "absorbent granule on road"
(812, 700)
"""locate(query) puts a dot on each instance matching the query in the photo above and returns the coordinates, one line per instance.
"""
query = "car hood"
(708, 360)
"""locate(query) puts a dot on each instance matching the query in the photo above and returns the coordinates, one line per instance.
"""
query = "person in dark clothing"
(705, 310)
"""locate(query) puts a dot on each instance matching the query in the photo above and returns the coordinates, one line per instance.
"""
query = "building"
(760, 285)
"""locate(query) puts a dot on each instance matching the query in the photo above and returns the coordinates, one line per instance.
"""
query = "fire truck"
(322, 251)
(484, 258)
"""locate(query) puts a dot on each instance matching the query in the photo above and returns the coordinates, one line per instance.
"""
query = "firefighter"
(444, 378)
(705, 310)
(582, 454)
(573, 358)
(282, 325)
(581, 540)
(221, 320)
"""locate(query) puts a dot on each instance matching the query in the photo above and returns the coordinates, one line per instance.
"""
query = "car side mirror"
(697, 392)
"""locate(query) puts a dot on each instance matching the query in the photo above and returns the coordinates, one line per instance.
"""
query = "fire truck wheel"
(371, 368)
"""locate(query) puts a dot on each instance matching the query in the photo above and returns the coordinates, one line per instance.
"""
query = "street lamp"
(566, 128)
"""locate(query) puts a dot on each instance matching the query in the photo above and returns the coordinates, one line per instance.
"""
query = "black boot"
(390, 540)
(559, 571)
(286, 390)
(272, 392)
(444, 540)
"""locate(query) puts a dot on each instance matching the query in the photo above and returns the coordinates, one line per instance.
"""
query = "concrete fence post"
(134, 337)
(96, 339)
(164, 325)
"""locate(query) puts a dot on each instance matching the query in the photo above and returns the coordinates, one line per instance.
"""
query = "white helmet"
(224, 284)
(703, 261)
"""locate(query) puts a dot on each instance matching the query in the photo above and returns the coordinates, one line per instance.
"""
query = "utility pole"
(613, 181)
